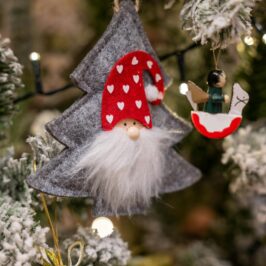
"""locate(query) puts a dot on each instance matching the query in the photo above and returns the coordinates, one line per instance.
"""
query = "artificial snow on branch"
(10, 80)
(13, 173)
(220, 22)
(107, 251)
(20, 235)
(246, 150)
(44, 148)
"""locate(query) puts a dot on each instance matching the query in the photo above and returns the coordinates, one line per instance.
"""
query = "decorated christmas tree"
(114, 146)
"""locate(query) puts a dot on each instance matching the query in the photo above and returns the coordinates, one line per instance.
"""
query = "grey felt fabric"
(78, 124)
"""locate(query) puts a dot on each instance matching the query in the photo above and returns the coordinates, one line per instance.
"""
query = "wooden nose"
(133, 132)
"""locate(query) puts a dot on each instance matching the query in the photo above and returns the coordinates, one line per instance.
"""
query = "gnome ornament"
(125, 162)
(119, 136)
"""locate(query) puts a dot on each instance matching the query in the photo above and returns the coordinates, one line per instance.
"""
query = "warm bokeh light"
(103, 225)
(249, 40)
(34, 56)
(183, 88)
(264, 38)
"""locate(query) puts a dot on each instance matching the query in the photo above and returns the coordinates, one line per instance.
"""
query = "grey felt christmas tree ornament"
(80, 125)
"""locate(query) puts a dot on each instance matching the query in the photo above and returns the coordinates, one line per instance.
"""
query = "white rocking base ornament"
(217, 126)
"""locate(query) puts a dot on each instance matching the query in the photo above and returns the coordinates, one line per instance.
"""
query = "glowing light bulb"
(264, 38)
(249, 40)
(183, 88)
(34, 56)
(103, 225)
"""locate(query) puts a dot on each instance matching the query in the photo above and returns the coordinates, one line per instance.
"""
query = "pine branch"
(10, 81)
(220, 22)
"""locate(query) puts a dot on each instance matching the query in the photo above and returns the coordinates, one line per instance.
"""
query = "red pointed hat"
(124, 94)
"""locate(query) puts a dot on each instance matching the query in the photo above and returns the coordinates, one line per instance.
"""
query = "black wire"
(32, 94)
(176, 52)
(39, 87)
(24, 97)
(67, 86)
(180, 58)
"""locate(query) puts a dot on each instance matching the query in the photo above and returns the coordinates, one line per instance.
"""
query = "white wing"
(239, 100)
(193, 104)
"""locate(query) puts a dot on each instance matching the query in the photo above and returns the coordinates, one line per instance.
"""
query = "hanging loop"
(79, 244)
(117, 5)
(216, 58)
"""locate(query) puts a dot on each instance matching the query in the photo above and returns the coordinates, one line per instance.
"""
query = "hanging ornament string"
(49, 257)
(53, 231)
(117, 5)
(55, 216)
(216, 57)
(81, 254)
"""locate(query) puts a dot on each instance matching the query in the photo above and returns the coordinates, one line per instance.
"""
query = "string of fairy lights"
(35, 59)
(180, 56)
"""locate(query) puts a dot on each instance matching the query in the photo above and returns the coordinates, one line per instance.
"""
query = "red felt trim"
(217, 134)
(124, 95)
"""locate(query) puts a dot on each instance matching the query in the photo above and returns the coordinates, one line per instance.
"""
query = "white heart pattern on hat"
(109, 118)
(121, 105)
(138, 103)
(136, 78)
(119, 68)
(110, 88)
(126, 88)
(147, 119)
(149, 64)
(158, 77)
(135, 61)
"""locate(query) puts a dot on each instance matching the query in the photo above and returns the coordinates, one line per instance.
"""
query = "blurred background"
(206, 224)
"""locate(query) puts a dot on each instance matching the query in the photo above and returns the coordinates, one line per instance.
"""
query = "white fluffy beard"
(123, 172)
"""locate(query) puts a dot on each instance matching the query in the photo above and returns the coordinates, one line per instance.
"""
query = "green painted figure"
(216, 81)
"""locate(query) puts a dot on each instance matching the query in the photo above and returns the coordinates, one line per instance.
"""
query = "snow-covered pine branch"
(246, 150)
(220, 22)
(13, 173)
(10, 80)
(107, 251)
(20, 235)
(44, 148)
